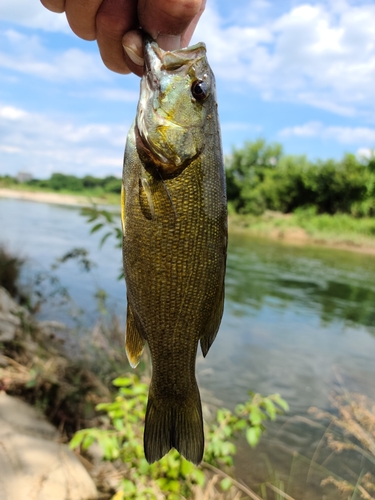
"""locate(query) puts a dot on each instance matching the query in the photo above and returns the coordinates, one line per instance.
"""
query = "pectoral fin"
(145, 199)
(134, 342)
(213, 324)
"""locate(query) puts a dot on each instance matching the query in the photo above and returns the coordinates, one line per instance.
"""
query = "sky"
(301, 73)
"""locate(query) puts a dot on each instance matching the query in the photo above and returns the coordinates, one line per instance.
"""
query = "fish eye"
(199, 89)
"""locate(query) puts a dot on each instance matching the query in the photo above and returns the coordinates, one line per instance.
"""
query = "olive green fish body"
(174, 245)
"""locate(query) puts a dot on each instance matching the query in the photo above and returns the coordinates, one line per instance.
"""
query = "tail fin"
(171, 426)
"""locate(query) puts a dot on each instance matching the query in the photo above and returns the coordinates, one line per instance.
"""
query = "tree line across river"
(261, 177)
(61, 182)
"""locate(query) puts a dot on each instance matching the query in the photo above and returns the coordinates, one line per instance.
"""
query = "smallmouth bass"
(174, 220)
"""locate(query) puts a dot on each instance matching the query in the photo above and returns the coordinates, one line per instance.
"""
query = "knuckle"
(182, 9)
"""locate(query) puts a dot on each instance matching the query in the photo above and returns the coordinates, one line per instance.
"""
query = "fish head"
(177, 94)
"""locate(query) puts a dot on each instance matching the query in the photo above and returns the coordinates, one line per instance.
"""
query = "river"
(298, 320)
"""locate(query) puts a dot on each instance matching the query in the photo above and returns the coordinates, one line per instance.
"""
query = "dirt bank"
(56, 198)
(297, 236)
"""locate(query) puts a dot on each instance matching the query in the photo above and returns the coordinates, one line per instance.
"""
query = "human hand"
(115, 25)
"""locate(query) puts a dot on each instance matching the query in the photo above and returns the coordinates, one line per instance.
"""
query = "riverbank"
(36, 381)
(41, 384)
(340, 231)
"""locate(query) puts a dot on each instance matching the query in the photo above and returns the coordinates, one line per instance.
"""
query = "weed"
(121, 438)
(352, 428)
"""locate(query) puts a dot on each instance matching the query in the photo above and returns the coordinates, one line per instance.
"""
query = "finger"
(186, 37)
(167, 20)
(114, 18)
(81, 17)
(132, 43)
(54, 5)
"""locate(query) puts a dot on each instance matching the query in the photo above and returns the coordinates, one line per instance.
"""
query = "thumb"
(167, 20)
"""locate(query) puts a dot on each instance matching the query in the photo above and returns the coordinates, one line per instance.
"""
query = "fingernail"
(133, 56)
(169, 42)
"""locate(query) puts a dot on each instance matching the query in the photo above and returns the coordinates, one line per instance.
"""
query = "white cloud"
(10, 149)
(363, 136)
(352, 135)
(324, 101)
(59, 145)
(321, 54)
(11, 113)
(26, 54)
(310, 129)
(32, 14)
(365, 153)
(229, 48)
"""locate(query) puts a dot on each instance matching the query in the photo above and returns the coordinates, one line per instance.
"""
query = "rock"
(9, 325)
(51, 326)
(9, 305)
(10, 314)
(3, 361)
(52, 329)
(33, 465)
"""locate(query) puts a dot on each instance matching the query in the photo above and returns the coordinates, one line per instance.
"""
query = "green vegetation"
(172, 476)
(305, 226)
(290, 197)
(10, 268)
(260, 177)
(107, 188)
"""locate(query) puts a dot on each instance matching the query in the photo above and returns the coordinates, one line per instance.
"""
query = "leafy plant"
(101, 219)
(120, 438)
(259, 177)
(246, 170)
(106, 222)
(10, 268)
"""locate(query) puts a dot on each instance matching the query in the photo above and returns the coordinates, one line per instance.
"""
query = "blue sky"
(299, 73)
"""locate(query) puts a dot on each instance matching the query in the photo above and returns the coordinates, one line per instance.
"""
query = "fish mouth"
(157, 122)
(157, 59)
(157, 63)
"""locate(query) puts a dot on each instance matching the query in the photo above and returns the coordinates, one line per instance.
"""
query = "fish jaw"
(169, 118)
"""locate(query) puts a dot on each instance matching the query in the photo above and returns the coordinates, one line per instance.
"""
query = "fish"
(174, 223)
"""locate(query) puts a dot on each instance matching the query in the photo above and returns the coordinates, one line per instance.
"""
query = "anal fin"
(134, 342)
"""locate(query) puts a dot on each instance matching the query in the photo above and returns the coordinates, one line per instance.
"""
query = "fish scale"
(174, 241)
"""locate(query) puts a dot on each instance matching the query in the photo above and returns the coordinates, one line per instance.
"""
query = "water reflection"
(262, 273)
(43, 233)
(299, 321)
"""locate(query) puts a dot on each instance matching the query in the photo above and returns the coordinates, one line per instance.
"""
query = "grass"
(352, 429)
(306, 227)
